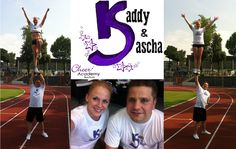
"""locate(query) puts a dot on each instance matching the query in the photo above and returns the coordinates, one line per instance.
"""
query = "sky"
(12, 20)
(178, 34)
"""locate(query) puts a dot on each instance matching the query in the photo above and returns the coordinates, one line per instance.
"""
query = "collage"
(117, 74)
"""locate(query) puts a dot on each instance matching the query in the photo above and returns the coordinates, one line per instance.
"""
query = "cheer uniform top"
(86, 131)
(35, 28)
(198, 35)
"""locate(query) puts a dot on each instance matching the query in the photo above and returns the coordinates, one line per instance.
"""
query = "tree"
(45, 58)
(26, 49)
(8, 58)
(4, 55)
(217, 55)
(171, 52)
(231, 44)
(61, 50)
(12, 60)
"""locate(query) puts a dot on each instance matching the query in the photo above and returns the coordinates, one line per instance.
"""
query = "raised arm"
(186, 20)
(42, 79)
(28, 21)
(45, 16)
(197, 80)
(211, 22)
(31, 78)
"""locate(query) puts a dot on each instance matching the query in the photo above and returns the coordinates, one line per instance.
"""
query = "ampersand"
(144, 33)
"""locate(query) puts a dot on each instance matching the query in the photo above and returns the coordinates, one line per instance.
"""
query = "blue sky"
(12, 20)
(178, 34)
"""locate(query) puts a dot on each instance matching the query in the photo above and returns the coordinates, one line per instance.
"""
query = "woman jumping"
(36, 34)
(198, 41)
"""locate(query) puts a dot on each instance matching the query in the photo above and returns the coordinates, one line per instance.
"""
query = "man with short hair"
(139, 125)
(37, 87)
(199, 113)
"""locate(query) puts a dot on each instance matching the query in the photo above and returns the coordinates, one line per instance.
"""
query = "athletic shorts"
(198, 45)
(34, 42)
(34, 112)
(199, 114)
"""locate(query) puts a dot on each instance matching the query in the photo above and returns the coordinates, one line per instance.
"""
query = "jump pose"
(36, 34)
(198, 41)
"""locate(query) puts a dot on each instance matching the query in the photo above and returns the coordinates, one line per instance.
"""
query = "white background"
(150, 66)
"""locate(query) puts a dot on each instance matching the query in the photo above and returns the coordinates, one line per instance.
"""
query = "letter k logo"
(106, 20)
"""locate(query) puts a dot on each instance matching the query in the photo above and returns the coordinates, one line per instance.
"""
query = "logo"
(137, 140)
(105, 21)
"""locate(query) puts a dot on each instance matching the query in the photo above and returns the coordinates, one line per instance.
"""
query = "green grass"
(9, 93)
(175, 97)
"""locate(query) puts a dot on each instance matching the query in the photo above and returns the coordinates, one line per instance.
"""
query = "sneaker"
(28, 136)
(195, 71)
(195, 136)
(36, 70)
(198, 71)
(45, 135)
(206, 132)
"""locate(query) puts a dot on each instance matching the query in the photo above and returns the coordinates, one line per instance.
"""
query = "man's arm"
(31, 81)
(197, 80)
(42, 79)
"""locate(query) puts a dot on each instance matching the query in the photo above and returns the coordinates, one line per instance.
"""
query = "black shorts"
(199, 114)
(34, 42)
(34, 112)
(198, 45)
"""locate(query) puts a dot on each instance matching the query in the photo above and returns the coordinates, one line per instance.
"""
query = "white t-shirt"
(121, 130)
(35, 28)
(86, 131)
(198, 35)
(202, 97)
(36, 96)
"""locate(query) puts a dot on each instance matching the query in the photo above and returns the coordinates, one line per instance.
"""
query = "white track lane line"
(23, 144)
(14, 117)
(68, 112)
(14, 97)
(14, 104)
(232, 101)
(189, 123)
(180, 103)
(181, 111)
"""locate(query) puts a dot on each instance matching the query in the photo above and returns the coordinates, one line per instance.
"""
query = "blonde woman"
(36, 34)
(198, 41)
(89, 121)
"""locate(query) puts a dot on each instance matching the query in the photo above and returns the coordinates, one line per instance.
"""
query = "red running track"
(56, 114)
(221, 122)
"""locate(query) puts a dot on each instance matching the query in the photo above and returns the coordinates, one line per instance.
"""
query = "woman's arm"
(28, 21)
(186, 20)
(45, 16)
(210, 23)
